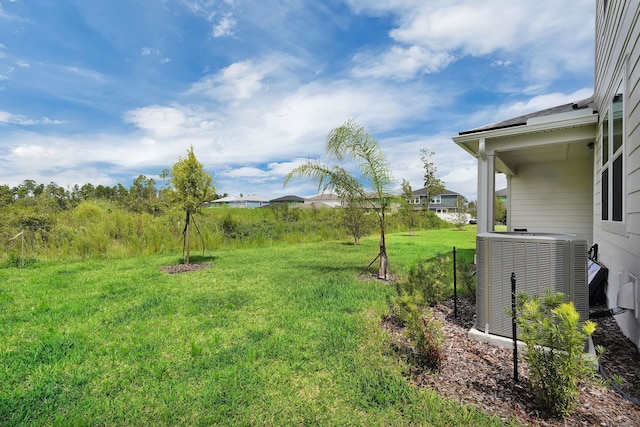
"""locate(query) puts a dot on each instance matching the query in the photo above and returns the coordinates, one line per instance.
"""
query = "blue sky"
(102, 91)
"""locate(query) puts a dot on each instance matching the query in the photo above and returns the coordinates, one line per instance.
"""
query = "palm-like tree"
(351, 140)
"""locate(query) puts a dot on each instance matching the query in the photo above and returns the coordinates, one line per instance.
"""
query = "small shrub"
(555, 340)
(429, 278)
(427, 338)
(230, 226)
(425, 286)
(422, 329)
(465, 276)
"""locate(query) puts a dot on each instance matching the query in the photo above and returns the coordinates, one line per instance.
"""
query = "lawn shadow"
(200, 259)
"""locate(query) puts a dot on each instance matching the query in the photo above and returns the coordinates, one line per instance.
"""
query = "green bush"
(465, 276)
(425, 286)
(429, 279)
(555, 340)
(422, 329)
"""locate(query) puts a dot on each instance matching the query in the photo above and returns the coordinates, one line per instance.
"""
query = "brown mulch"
(481, 375)
(183, 268)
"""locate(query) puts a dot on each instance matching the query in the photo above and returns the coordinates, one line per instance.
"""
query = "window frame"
(612, 164)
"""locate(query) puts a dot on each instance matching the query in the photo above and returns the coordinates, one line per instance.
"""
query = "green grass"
(284, 335)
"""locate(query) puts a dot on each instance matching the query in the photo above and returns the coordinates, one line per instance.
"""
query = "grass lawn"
(284, 335)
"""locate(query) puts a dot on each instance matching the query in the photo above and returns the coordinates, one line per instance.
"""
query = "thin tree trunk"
(383, 271)
(186, 239)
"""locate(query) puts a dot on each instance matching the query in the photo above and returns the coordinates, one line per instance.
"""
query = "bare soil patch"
(481, 375)
(183, 268)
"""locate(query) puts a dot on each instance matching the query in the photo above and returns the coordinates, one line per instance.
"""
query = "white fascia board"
(469, 142)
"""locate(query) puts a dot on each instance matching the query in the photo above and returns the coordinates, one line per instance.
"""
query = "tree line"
(142, 196)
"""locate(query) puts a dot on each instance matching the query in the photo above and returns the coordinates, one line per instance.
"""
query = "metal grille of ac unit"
(539, 261)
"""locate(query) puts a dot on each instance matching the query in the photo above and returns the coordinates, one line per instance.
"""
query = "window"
(436, 199)
(612, 173)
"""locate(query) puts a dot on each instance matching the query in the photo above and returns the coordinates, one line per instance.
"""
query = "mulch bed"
(183, 268)
(481, 375)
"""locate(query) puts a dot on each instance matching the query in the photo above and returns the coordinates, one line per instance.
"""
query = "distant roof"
(312, 205)
(249, 198)
(324, 196)
(287, 199)
(502, 192)
(423, 192)
(225, 199)
(522, 120)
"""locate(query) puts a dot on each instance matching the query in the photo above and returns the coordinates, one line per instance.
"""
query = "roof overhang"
(561, 136)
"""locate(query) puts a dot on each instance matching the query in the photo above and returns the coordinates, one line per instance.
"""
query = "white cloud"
(146, 51)
(400, 62)
(203, 8)
(542, 102)
(9, 118)
(165, 122)
(154, 53)
(238, 81)
(215, 11)
(244, 172)
(430, 35)
(225, 27)
(501, 63)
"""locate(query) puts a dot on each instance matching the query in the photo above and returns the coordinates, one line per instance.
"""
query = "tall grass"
(285, 335)
(103, 228)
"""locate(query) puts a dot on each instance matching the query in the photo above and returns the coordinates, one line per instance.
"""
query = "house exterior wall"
(539, 204)
(618, 61)
(447, 202)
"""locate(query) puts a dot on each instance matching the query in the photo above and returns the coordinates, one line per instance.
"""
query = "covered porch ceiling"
(567, 137)
(508, 161)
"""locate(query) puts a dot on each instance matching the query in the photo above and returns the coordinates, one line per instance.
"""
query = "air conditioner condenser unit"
(539, 261)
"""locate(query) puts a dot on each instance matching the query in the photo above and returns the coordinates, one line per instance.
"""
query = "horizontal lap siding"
(632, 143)
(553, 197)
(618, 58)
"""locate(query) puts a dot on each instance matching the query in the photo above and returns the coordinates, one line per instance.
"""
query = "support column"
(486, 188)
(508, 204)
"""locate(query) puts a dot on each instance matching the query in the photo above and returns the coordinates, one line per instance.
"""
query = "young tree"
(473, 209)
(354, 216)
(351, 140)
(499, 210)
(432, 183)
(406, 208)
(6, 195)
(460, 217)
(192, 188)
(355, 219)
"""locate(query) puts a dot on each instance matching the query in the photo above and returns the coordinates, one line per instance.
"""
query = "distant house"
(444, 205)
(288, 200)
(445, 202)
(250, 201)
(328, 199)
(502, 195)
(575, 168)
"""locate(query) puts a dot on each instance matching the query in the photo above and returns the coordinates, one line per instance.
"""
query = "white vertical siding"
(554, 197)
